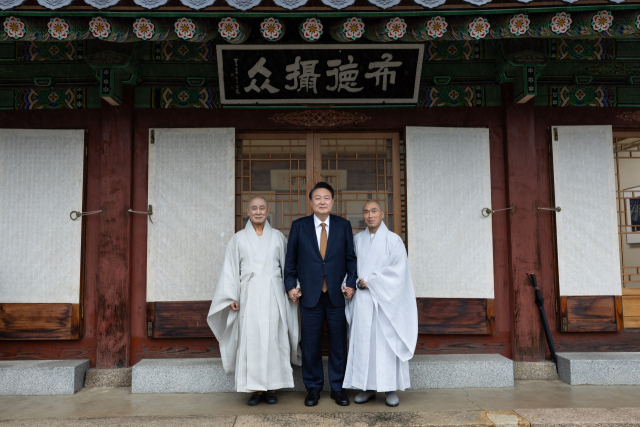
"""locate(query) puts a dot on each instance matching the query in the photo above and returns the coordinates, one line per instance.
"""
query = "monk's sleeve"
(392, 288)
(221, 319)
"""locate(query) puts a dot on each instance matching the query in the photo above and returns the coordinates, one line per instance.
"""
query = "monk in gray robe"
(251, 316)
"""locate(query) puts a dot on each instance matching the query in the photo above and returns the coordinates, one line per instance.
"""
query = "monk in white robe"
(251, 316)
(382, 314)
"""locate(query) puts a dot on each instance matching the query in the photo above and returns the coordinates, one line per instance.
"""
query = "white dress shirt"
(317, 223)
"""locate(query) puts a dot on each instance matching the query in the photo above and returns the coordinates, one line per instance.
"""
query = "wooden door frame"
(314, 159)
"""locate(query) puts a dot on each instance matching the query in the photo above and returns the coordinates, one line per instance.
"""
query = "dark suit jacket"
(305, 263)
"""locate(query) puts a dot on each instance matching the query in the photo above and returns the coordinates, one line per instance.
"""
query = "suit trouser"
(312, 320)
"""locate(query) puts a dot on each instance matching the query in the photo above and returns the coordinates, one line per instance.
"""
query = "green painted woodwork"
(178, 74)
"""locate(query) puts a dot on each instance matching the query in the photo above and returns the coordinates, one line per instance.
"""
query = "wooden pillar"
(523, 235)
(113, 282)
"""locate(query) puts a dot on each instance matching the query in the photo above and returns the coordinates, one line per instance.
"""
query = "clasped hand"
(348, 292)
(295, 294)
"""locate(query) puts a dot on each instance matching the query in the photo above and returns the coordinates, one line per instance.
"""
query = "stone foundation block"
(119, 377)
(600, 368)
(41, 377)
(460, 371)
(535, 371)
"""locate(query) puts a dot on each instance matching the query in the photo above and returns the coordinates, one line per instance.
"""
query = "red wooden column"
(113, 283)
(523, 235)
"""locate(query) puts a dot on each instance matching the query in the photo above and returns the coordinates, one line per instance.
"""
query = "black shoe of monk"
(340, 398)
(254, 399)
(312, 398)
(271, 398)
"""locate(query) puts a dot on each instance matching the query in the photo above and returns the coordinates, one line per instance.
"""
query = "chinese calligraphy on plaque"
(319, 74)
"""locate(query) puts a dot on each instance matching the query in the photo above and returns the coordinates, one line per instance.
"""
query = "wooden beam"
(619, 314)
(397, 187)
(113, 287)
(522, 233)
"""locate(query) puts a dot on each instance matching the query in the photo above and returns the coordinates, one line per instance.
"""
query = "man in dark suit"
(319, 255)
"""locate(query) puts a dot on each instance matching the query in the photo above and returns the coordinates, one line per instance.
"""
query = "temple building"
(501, 138)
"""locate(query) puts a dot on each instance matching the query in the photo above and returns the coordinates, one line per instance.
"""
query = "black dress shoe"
(340, 398)
(312, 398)
(254, 399)
(271, 398)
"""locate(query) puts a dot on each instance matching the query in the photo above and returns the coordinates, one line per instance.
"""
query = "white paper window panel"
(192, 191)
(587, 226)
(448, 185)
(41, 176)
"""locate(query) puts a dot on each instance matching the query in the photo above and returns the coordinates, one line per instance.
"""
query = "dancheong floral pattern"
(396, 28)
(14, 27)
(436, 27)
(184, 28)
(353, 28)
(271, 29)
(519, 24)
(144, 29)
(561, 23)
(638, 22)
(312, 29)
(58, 28)
(602, 21)
(479, 28)
(100, 28)
(228, 28)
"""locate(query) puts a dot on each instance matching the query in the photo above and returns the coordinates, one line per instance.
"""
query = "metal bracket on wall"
(148, 212)
(149, 329)
(486, 211)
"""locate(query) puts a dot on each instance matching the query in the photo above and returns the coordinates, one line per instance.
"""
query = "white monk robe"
(261, 340)
(383, 320)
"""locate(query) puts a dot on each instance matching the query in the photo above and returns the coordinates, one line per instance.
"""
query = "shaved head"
(253, 198)
(372, 202)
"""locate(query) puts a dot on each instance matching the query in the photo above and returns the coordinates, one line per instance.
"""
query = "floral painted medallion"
(602, 21)
(519, 24)
(229, 28)
(58, 28)
(14, 27)
(100, 28)
(436, 27)
(561, 23)
(479, 28)
(271, 29)
(184, 28)
(353, 28)
(396, 28)
(311, 29)
(144, 29)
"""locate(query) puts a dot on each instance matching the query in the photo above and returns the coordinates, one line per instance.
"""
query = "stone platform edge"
(427, 372)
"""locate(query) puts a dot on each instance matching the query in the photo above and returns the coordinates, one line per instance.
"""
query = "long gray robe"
(383, 319)
(260, 340)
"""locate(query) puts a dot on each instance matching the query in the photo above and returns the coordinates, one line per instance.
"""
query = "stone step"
(208, 376)
(600, 368)
(41, 377)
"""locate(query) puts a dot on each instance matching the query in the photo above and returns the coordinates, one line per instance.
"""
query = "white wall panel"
(192, 191)
(41, 174)
(587, 228)
(448, 185)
